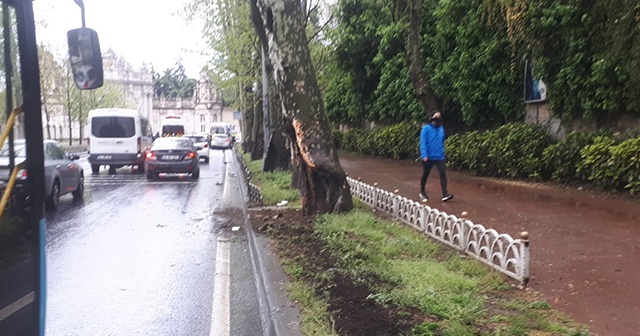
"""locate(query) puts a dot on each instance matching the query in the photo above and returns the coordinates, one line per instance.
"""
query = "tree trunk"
(277, 152)
(247, 117)
(266, 131)
(421, 84)
(48, 118)
(69, 115)
(322, 181)
(256, 132)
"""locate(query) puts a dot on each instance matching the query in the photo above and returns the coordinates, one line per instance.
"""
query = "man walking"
(432, 154)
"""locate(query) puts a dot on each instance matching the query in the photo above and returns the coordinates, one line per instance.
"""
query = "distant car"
(62, 175)
(172, 155)
(202, 144)
(206, 135)
(221, 141)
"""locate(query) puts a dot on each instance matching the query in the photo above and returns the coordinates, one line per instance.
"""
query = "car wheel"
(112, 170)
(196, 174)
(54, 198)
(95, 169)
(80, 189)
(150, 176)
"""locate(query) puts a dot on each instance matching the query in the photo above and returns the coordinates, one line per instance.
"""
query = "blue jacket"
(432, 142)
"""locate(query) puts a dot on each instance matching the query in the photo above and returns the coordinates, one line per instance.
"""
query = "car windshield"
(172, 143)
(19, 148)
(221, 136)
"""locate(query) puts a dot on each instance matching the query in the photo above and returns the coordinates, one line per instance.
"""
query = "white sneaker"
(447, 197)
(423, 196)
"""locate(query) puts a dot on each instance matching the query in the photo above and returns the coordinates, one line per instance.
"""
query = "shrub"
(512, 150)
(515, 150)
(398, 141)
(463, 151)
(612, 165)
(561, 159)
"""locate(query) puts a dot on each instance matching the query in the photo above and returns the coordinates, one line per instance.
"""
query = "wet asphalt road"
(138, 257)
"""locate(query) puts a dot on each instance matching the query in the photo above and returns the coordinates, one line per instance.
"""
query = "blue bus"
(22, 221)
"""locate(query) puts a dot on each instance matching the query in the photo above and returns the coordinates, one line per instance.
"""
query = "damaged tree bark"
(322, 181)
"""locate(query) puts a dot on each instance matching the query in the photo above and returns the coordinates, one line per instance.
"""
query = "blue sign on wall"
(237, 115)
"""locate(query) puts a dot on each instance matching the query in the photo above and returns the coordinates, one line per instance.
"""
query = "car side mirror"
(198, 148)
(85, 58)
(74, 157)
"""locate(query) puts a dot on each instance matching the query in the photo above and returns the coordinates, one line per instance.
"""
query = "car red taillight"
(206, 145)
(22, 174)
(191, 155)
(151, 156)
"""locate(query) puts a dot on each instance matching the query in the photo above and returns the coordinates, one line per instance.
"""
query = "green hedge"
(399, 141)
(512, 150)
(562, 158)
(515, 150)
(613, 165)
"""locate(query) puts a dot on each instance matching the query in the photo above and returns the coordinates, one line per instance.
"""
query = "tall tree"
(322, 181)
(70, 98)
(50, 78)
(174, 83)
(415, 60)
(233, 67)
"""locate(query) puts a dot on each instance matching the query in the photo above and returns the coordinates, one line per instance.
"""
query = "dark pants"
(426, 169)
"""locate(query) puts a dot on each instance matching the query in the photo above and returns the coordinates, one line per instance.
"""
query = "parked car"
(203, 145)
(221, 141)
(62, 175)
(172, 155)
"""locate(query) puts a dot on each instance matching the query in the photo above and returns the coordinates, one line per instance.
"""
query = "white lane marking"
(220, 313)
(17, 305)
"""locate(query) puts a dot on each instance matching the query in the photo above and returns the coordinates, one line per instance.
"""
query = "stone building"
(197, 112)
(137, 86)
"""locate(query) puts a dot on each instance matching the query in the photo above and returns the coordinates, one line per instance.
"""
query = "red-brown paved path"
(585, 246)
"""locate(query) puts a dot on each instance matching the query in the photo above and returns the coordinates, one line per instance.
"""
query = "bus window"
(19, 243)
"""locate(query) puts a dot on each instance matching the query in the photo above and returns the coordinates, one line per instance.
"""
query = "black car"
(172, 155)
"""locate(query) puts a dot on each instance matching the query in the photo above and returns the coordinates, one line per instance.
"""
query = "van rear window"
(168, 130)
(113, 127)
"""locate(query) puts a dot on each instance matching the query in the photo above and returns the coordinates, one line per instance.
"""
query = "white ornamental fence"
(499, 251)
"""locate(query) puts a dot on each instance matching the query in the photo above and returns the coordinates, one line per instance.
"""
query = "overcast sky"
(139, 30)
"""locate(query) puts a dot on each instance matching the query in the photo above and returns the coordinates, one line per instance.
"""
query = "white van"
(172, 126)
(118, 137)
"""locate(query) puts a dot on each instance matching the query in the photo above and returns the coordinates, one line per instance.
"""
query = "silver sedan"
(62, 175)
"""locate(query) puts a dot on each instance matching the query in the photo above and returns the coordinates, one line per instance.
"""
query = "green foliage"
(613, 165)
(586, 52)
(173, 83)
(416, 273)
(398, 141)
(473, 64)
(512, 150)
(561, 159)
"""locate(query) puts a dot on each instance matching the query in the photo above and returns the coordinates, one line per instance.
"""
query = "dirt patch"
(354, 312)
